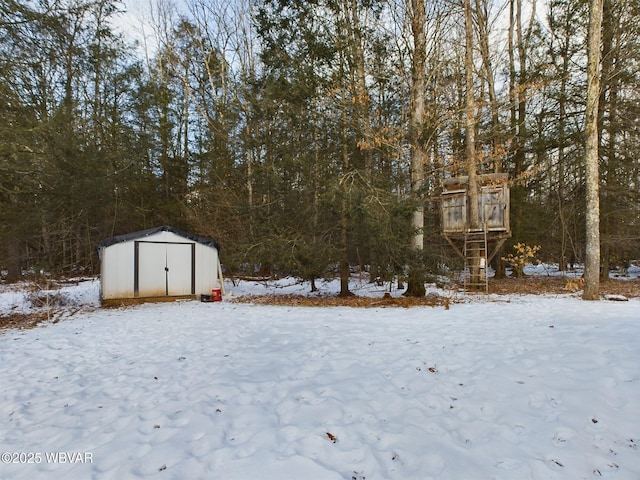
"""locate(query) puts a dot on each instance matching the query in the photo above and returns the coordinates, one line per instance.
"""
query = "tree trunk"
(470, 138)
(562, 118)
(607, 121)
(470, 119)
(497, 139)
(415, 282)
(519, 95)
(14, 266)
(361, 100)
(345, 270)
(592, 259)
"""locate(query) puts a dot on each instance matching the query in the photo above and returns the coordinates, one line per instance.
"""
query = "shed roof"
(150, 231)
(454, 184)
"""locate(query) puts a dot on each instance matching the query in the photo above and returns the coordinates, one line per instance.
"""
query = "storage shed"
(158, 263)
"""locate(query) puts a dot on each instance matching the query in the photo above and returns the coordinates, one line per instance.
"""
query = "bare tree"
(489, 71)
(592, 259)
(470, 118)
(470, 136)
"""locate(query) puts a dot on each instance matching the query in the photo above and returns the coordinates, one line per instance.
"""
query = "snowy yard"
(510, 387)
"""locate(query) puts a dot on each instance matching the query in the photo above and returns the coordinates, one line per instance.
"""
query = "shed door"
(492, 204)
(164, 269)
(454, 211)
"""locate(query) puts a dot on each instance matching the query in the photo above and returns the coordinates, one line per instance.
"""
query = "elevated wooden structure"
(476, 240)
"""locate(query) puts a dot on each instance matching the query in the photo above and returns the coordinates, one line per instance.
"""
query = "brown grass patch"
(337, 301)
(22, 321)
(531, 285)
(127, 302)
(537, 285)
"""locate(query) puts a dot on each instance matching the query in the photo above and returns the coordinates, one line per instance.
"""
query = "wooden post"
(220, 279)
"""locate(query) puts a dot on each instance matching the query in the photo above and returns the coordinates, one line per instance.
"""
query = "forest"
(311, 137)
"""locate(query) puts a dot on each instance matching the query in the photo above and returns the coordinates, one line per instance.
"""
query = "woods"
(308, 138)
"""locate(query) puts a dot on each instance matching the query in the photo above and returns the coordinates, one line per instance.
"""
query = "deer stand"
(478, 240)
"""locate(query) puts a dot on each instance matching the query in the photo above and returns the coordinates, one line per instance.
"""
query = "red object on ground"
(216, 295)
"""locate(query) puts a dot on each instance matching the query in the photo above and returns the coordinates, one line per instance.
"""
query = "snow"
(500, 387)
(24, 298)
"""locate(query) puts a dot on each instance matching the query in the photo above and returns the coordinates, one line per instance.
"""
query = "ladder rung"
(474, 243)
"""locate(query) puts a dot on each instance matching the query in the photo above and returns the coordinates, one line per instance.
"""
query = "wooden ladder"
(475, 260)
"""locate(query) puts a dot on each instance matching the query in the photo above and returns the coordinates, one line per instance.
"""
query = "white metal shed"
(158, 263)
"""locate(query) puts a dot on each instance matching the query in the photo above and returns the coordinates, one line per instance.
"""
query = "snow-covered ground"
(501, 387)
